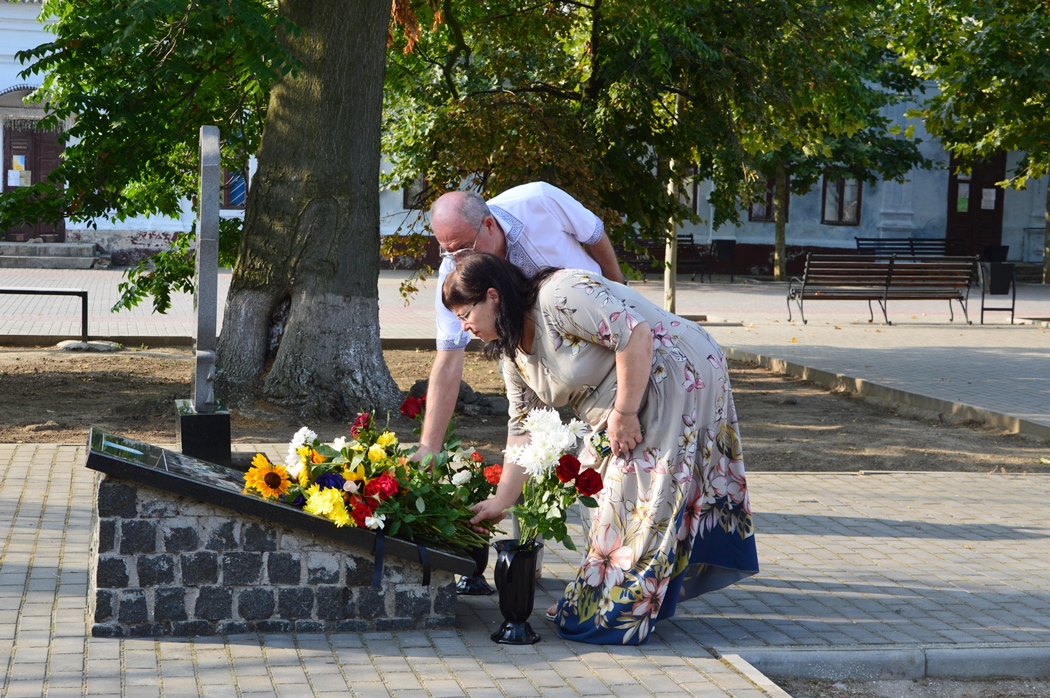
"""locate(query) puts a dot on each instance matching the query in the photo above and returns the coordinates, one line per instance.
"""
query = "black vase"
(475, 584)
(515, 575)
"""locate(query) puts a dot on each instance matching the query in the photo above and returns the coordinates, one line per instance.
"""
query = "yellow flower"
(269, 480)
(387, 438)
(357, 445)
(327, 503)
(354, 475)
(376, 453)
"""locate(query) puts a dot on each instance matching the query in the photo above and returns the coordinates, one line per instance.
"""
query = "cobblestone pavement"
(848, 561)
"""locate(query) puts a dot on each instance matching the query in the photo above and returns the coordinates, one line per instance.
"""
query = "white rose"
(461, 478)
(374, 522)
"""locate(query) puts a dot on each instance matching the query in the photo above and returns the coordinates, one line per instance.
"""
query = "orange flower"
(493, 473)
(476, 457)
(316, 457)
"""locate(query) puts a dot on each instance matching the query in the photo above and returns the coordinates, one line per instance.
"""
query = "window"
(413, 195)
(761, 211)
(234, 192)
(841, 202)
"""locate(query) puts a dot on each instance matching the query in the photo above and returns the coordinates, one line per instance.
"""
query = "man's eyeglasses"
(443, 253)
(466, 316)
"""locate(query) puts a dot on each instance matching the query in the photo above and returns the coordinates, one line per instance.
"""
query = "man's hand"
(491, 509)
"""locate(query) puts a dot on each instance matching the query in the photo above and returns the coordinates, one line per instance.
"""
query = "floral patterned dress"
(673, 520)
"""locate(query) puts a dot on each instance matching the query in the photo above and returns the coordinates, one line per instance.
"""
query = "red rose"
(476, 457)
(360, 509)
(387, 486)
(568, 468)
(589, 482)
(493, 473)
(360, 422)
(412, 407)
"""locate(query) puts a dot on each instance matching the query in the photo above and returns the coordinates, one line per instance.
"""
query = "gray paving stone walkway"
(849, 562)
(46, 506)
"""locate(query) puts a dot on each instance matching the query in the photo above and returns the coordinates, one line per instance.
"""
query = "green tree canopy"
(990, 62)
(599, 97)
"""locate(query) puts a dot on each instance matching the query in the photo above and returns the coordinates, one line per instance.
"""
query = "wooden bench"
(58, 292)
(877, 278)
(648, 256)
(915, 247)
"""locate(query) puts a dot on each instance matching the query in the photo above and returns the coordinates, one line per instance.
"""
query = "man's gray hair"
(473, 209)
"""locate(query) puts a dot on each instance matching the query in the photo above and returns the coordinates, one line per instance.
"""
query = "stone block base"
(167, 565)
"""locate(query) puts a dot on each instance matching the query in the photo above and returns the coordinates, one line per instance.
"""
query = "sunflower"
(269, 480)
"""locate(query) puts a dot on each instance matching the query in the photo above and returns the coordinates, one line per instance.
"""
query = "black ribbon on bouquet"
(377, 574)
(424, 559)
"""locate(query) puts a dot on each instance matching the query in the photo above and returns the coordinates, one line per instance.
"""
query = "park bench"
(26, 291)
(882, 279)
(915, 247)
(648, 257)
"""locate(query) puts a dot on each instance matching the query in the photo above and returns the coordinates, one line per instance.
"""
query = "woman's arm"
(507, 492)
(633, 367)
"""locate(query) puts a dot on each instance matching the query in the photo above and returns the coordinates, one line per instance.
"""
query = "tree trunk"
(671, 253)
(780, 199)
(301, 326)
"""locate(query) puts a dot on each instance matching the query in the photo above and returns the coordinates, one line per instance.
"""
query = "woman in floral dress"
(673, 520)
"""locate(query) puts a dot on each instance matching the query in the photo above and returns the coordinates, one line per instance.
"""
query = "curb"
(859, 386)
(978, 661)
(743, 667)
(127, 341)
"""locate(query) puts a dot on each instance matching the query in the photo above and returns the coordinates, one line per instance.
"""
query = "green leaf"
(420, 505)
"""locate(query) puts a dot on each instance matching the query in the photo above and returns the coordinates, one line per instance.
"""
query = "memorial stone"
(179, 549)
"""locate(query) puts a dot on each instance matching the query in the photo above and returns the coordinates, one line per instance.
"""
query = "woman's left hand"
(625, 432)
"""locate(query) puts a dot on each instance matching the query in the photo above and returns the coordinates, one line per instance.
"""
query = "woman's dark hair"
(470, 281)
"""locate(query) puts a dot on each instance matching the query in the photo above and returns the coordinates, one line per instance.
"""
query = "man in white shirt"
(534, 226)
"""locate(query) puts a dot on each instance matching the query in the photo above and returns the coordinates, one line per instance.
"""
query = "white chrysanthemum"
(580, 429)
(303, 436)
(375, 522)
(340, 443)
(461, 478)
(549, 439)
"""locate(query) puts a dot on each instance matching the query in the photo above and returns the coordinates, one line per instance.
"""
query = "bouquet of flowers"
(555, 480)
(463, 468)
(366, 482)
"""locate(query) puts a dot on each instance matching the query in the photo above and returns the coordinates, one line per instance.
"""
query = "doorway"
(975, 206)
(29, 157)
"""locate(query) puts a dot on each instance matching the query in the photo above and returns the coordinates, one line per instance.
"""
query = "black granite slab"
(222, 486)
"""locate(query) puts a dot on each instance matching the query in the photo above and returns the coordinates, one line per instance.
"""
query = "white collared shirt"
(545, 227)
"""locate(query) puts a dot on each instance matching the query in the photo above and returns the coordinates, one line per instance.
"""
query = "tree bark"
(311, 231)
(671, 252)
(780, 199)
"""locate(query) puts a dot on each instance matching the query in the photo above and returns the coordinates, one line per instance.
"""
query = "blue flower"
(331, 480)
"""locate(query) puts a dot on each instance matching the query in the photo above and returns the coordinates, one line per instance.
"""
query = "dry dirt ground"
(925, 688)
(786, 424)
